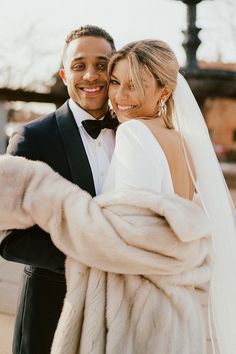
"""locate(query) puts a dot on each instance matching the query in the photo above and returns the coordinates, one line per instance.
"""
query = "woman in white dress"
(170, 152)
(141, 247)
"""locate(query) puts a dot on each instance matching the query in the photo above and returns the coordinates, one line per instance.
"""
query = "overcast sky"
(43, 25)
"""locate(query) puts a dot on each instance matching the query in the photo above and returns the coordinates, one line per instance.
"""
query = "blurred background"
(201, 32)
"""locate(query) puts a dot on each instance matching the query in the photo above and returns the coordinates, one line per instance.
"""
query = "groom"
(62, 140)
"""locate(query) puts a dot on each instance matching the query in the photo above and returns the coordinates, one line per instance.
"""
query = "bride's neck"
(155, 121)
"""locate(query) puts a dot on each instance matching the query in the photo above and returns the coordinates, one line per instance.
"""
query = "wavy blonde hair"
(158, 59)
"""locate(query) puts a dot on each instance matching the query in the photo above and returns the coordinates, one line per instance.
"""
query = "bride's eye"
(114, 82)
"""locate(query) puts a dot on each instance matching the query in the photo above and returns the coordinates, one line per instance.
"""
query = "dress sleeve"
(137, 162)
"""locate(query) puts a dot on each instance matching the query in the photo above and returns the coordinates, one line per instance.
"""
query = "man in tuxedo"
(62, 140)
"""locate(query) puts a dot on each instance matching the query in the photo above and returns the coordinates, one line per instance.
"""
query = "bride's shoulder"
(134, 134)
(131, 127)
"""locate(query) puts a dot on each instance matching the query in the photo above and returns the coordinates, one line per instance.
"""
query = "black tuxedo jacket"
(54, 139)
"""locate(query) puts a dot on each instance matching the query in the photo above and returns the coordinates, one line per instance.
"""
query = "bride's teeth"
(124, 108)
(91, 89)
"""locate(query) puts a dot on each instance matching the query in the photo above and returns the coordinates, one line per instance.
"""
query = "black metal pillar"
(191, 40)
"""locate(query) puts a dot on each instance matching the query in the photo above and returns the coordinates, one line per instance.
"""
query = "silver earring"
(162, 108)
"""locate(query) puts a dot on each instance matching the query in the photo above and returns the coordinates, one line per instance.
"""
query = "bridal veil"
(216, 200)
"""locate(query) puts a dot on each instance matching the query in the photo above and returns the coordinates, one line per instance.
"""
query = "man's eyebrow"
(99, 57)
(103, 57)
(78, 58)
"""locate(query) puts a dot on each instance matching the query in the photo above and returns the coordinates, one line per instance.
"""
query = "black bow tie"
(94, 127)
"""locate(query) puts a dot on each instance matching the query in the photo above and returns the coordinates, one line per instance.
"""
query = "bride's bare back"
(171, 145)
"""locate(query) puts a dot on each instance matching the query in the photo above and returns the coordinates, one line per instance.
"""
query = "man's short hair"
(88, 31)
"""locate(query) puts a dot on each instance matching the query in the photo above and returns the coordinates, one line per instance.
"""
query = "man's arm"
(32, 246)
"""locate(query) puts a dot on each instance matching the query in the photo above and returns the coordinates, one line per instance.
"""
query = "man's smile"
(92, 90)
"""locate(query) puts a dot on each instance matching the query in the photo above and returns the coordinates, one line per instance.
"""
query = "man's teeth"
(95, 89)
(124, 108)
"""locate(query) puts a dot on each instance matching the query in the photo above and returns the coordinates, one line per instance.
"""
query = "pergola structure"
(57, 94)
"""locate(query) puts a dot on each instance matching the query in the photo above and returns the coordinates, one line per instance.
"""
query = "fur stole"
(134, 259)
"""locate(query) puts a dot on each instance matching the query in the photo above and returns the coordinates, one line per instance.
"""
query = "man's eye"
(78, 67)
(102, 66)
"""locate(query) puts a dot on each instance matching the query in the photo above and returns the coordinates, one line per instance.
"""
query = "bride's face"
(124, 97)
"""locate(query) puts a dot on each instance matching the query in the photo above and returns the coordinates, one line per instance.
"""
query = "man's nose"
(91, 74)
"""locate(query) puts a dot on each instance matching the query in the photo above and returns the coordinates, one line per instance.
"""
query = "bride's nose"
(121, 94)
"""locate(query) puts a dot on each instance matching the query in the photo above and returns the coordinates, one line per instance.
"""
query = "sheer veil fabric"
(216, 200)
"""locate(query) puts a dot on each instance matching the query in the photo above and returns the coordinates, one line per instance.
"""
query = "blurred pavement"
(10, 274)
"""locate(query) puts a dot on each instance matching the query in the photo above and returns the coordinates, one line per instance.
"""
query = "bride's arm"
(34, 194)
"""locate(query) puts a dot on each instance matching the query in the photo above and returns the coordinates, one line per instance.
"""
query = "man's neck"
(95, 114)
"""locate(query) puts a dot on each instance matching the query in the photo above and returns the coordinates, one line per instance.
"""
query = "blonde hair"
(158, 59)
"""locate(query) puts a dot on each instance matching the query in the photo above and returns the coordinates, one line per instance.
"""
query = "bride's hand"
(32, 193)
(13, 183)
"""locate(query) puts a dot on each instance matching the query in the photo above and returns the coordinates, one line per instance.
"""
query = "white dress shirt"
(99, 151)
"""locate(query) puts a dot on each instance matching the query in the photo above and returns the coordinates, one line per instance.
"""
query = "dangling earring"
(162, 108)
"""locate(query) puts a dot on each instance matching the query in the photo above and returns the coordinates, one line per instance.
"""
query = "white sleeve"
(137, 162)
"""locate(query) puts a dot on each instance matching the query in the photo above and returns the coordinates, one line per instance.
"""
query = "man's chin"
(95, 110)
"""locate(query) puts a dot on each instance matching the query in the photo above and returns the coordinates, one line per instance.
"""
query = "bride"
(163, 226)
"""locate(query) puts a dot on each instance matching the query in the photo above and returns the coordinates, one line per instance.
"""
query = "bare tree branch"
(27, 61)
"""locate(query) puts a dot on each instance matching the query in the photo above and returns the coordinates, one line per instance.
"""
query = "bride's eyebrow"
(114, 77)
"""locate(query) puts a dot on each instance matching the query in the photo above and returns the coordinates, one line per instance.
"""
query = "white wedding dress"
(138, 161)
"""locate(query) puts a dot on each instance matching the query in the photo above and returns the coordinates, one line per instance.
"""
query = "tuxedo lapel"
(75, 152)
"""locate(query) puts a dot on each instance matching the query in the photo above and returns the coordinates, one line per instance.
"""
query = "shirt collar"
(79, 114)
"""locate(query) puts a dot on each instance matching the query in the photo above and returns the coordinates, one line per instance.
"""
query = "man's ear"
(63, 75)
